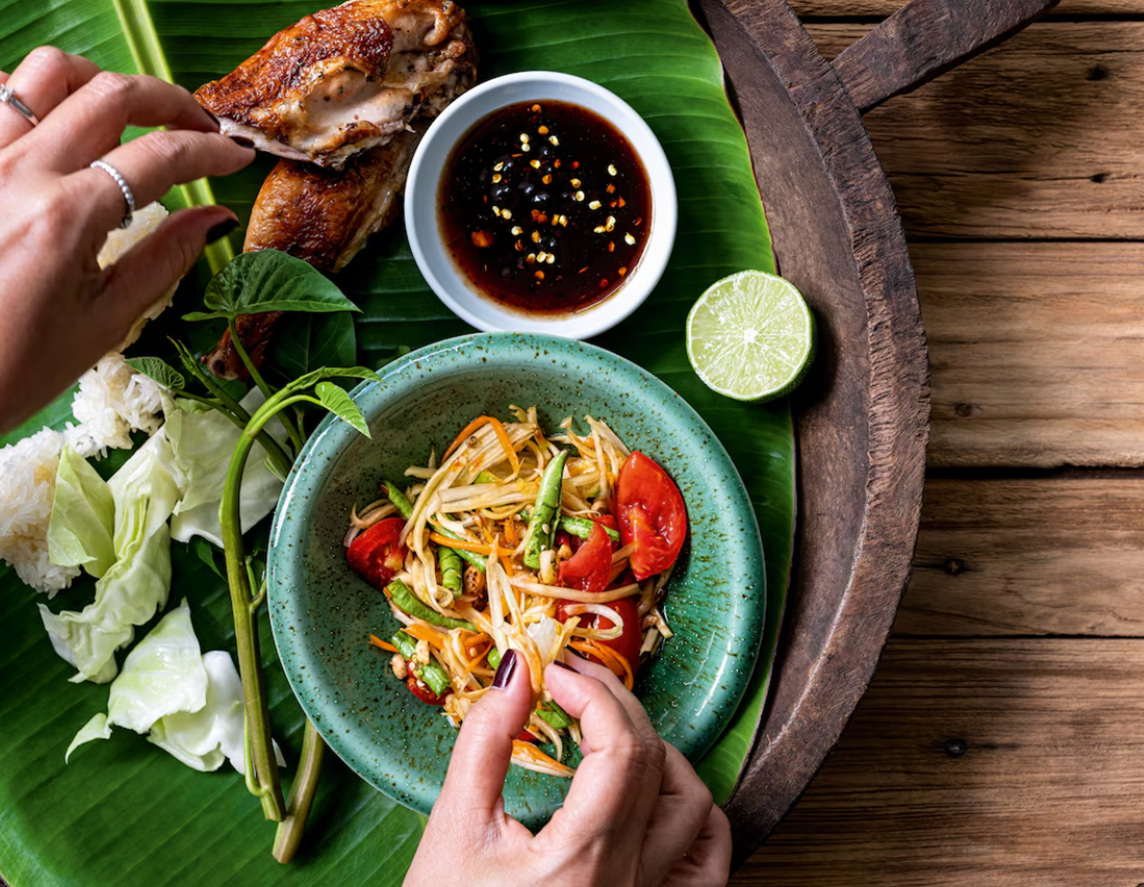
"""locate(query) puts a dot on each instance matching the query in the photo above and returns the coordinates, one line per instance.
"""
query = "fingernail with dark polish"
(505, 669)
(222, 229)
(211, 116)
(562, 665)
(242, 141)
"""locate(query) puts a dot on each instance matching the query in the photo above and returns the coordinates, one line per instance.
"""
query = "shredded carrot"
(384, 645)
(510, 531)
(616, 663)
(502, 436)
(531, 751)
(475, 661)
(431, 637)
(475, 547)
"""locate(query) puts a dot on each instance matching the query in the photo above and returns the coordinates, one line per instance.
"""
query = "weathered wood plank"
(1048, 789)
(856, 8)
(1061, 556)
(1035, 352)
(1006, 145)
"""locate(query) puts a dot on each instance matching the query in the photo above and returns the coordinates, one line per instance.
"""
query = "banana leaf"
(123, 813)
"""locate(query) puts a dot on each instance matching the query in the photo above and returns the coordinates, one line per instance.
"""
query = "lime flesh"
(750, 336)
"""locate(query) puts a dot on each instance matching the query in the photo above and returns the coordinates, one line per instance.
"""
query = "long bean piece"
(399, 499)
(542, 526)
(405, 509)
(451, 570)
(406, 600)
(580, 527)
(430, 672)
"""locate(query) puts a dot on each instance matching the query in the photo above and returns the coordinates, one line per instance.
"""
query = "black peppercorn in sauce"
(545, 207)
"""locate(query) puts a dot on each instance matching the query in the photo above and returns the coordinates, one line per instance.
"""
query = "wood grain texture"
(1035, 352)
(863, 8)
(863, 413)
(1005, 146)
(1048, 788)
(1020, 557)
(925, 38)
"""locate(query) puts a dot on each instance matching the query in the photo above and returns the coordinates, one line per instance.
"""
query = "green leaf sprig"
(269, 280)
(263, 779)
(257, 283)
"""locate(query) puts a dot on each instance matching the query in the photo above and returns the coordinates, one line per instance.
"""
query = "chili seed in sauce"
(545, 183)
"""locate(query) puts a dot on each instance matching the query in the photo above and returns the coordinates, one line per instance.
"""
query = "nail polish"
(242, 141)
(505, 669)
(211, 116)
(560, 664)
(222, 229)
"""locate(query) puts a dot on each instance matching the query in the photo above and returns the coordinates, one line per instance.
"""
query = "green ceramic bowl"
(322, 614)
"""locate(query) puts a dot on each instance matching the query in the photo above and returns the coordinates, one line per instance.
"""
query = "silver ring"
(7, 97)
(122, 183)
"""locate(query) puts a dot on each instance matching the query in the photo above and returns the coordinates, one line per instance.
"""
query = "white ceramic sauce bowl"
(422, 203)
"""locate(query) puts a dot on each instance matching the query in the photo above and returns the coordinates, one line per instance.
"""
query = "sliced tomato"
(421, 691)
(376, 555)
(652, 516)
(590, 568)
(627, 644)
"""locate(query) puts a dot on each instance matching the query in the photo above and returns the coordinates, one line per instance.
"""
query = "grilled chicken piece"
(346, 79)
(324, 215)
(321, 215)
(338, 89)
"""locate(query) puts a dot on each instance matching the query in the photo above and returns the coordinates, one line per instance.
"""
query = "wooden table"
(1002, 739)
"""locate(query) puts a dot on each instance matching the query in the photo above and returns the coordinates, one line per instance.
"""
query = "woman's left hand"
(60, 311)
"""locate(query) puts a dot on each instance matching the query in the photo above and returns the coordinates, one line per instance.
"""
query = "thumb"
(155, 264)
(483, 751)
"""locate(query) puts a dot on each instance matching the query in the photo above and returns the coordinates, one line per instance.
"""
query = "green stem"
(232, 409)
(289, 833)
(265, 767)
(259, 599)
(240, 350)
(210, 402)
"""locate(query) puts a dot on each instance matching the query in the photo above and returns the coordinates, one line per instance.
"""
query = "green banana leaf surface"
(123, 812)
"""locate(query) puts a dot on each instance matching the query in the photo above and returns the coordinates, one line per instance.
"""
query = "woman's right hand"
(636, 813)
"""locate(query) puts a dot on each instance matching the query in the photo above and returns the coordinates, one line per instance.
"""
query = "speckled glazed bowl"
(322, 614)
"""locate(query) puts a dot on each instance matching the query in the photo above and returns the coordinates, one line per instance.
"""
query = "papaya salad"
(549, 545)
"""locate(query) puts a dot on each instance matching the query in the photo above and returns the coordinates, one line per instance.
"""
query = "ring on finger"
(128, 197)
(8, 97)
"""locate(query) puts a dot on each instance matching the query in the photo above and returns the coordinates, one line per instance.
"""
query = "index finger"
(90, 121)
(616, 786)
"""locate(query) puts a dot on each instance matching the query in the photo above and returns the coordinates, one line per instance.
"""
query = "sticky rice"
(27, 489)
(113, 400)
(144, 222)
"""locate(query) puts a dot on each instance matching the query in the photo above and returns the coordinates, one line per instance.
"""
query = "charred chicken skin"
(320, 215)
(342, 96)
(346, 79)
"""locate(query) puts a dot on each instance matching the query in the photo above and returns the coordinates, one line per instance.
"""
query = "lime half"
(750, 336)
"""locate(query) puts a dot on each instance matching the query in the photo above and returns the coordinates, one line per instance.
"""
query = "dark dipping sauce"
(545, 207)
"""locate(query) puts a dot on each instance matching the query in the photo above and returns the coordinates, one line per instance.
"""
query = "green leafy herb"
(553, 715)
(269, 280)
(308, 342)
(312, 378)
(341, 405)
(158, 369)
(205, 552)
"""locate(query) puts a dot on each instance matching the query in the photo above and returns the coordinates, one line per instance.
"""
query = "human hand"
(61, 311)
(636, 814)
